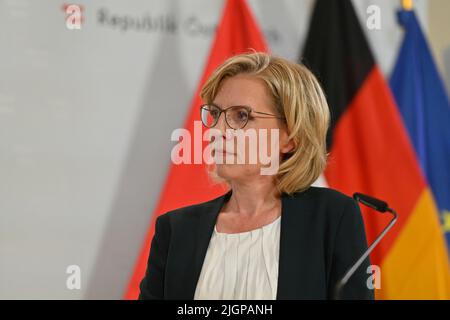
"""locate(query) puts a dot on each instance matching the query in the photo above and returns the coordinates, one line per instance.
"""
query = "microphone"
(371, 202)
(380, 206)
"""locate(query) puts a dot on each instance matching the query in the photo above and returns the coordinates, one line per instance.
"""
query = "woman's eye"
(242, 115)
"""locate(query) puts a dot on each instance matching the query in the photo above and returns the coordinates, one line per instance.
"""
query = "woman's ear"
(287, 145)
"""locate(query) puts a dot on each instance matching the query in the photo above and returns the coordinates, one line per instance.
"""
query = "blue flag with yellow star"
(424, 106)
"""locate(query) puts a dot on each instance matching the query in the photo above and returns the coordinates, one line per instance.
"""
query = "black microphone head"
(372, 202)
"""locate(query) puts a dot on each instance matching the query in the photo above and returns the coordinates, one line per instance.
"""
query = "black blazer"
(321, 236)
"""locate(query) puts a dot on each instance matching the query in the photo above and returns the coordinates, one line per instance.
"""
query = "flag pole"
(407, 5)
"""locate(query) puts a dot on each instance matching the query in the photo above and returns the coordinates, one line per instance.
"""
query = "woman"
(271, 236)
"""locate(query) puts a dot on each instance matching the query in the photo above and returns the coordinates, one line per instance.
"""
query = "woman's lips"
(223, 152)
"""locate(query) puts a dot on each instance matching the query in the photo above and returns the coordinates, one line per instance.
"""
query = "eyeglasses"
(236, 117)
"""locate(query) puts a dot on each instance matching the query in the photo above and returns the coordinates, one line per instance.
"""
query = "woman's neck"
(252, 198)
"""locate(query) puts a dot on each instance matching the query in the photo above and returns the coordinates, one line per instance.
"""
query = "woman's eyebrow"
(232, 105)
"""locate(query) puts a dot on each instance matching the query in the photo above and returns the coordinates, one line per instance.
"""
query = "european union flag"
(424, 105)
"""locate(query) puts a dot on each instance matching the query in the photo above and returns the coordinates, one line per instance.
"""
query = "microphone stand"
(366, 200)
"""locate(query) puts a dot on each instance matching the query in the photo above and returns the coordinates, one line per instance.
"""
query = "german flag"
(370, 152)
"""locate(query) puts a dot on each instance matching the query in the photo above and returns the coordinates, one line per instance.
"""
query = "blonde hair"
(298, 97)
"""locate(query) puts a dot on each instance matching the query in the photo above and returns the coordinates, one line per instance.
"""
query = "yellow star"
(446, 220)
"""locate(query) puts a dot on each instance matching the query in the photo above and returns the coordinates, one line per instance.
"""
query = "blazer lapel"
(292, 275)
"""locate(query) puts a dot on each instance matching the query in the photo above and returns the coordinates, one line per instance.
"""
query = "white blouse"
(241, 266)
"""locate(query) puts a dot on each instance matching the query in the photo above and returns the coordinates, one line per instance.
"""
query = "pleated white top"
(241, 266)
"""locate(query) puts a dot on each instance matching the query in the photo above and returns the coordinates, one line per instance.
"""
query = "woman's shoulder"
(327, 204)
(318, 199)
(323, 194)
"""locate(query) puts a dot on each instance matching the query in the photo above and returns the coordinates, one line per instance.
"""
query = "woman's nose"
(225, 130)
(221, 124)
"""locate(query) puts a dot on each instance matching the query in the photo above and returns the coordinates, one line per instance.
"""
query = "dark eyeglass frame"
(247, 108)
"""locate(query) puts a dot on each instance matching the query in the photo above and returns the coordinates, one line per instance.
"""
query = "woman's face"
(247, 152)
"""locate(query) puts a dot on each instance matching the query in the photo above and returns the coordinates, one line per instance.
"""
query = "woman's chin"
(236, 171)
